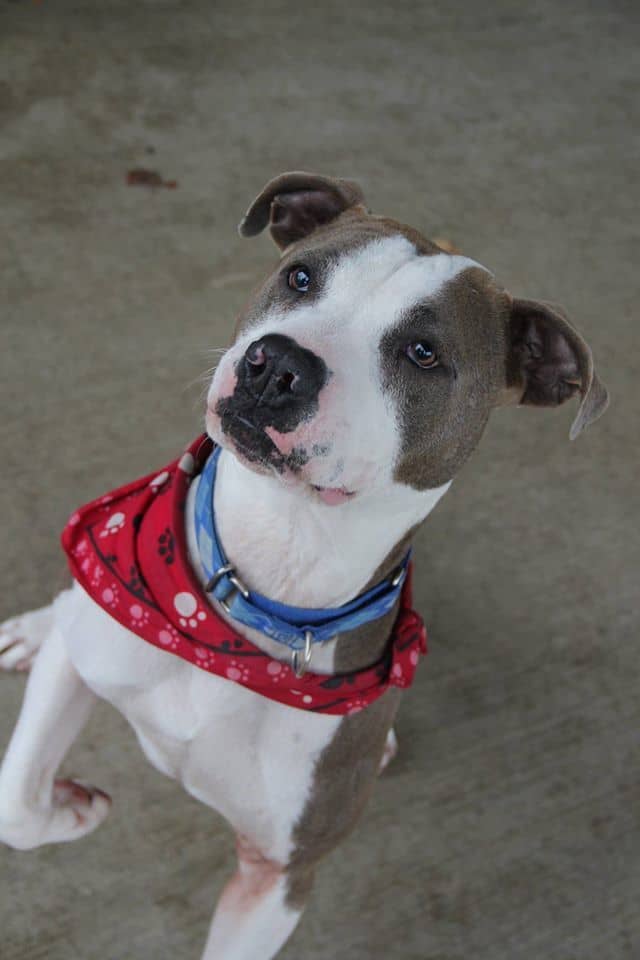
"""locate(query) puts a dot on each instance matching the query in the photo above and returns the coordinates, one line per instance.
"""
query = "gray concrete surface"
(508, 827)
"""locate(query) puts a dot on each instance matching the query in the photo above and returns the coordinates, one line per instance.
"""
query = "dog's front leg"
(258, 909)
(34, 807)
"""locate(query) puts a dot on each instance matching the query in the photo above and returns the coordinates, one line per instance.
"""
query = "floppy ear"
(548, 362)
(294, 204)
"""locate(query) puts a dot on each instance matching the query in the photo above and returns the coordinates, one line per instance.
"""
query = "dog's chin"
(329, 496)
(275, 466)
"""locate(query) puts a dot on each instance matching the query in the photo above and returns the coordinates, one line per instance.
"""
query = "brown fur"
(344, 778)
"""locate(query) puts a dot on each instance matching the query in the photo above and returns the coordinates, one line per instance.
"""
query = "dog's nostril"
(286, 381)
(255, 360)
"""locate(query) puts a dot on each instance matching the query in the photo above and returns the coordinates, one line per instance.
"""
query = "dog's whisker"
(202, 379)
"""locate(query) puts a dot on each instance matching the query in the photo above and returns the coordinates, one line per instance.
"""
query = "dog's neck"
(295, 549)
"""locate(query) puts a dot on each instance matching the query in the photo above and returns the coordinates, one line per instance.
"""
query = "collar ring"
(213, 581)
(301, 668)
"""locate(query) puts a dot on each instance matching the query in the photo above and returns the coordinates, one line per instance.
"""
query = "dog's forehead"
(388, 276)
(370, 273)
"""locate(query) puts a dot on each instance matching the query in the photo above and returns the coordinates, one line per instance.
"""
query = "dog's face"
(370, 357)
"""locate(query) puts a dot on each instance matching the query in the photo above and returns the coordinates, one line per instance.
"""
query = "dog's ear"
(294, 204)
(548, 362)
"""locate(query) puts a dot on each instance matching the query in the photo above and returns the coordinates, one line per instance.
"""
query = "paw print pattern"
(80, 548)
(159, 481)
(204, 657)
(355, 706)
(187, 464)
(135, 583)
(187, 607)
(113, 524)
(139, 616)
(166, 545)
(397, 676)
(111, 596)
(237, 671)
(277, 671)
(168, 637)
(96, 576)
(306, 698)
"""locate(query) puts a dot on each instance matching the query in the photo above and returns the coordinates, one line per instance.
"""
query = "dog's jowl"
(260, 584)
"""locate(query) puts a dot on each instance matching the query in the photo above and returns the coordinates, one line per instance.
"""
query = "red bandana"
(127, 550)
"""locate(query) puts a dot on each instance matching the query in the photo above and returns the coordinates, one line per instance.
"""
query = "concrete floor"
(508, 827)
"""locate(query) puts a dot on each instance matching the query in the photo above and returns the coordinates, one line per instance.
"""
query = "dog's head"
(370, 357)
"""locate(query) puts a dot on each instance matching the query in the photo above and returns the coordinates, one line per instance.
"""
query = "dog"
(361, 376)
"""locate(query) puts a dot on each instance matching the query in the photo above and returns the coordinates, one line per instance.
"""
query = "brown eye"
(299, 279)
(422, 355)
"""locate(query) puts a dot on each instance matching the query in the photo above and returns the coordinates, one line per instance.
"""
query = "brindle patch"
(443, 411)
(365, 645)
(344, 778)
(348, 767)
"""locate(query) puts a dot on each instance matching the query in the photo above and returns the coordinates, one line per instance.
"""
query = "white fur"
(248, 757)
(364, 294)
(21, 638)
(297, 550)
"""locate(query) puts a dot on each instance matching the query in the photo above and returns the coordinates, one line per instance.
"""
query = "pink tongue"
(332, 496)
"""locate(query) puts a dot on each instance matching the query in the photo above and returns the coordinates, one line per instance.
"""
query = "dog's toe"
(21, 638)
(78, 809)
(74, 810)
(15, 653)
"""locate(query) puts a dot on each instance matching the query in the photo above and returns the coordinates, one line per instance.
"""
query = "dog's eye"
(299, 279)
(422, 355)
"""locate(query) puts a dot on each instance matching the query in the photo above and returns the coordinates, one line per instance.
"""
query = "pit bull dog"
(248, 608)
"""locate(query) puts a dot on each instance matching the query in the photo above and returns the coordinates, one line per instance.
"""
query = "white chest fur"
(299, 551)
(250, 758)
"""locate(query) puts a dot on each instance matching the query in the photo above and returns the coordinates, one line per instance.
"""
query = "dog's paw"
(76, 809)
(21, 638)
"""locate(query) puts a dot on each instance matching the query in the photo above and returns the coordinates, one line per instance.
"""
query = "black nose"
(279, 374)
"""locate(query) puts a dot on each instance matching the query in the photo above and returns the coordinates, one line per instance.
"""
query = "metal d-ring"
(213, 581)
(227, 569)
(234, 579)
(238, 584)
(301, 668)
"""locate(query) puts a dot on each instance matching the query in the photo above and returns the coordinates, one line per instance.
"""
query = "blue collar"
(296, 627)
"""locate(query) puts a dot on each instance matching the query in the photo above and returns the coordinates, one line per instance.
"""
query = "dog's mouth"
(257, 448)
(333, 496)
(260, 453)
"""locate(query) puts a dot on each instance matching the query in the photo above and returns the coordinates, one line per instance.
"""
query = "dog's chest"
(250, 758)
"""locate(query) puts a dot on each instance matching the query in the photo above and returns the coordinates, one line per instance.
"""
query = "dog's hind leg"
(21, 638)
(34, 807)
(258, 909)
